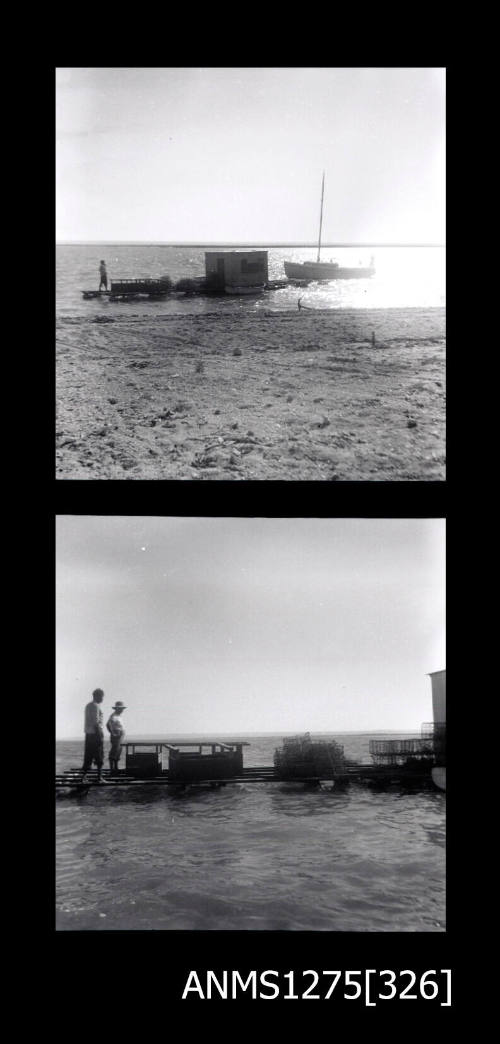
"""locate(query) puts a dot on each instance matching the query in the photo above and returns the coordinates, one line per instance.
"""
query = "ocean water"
(405, 277)
(269, 856)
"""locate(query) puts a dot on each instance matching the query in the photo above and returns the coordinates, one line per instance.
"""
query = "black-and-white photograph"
(250, 276)
(251, 724)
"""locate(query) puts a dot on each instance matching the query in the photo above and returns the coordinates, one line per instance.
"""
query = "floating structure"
(190, 763)
(324, 271)
(411, 762)
(236, 271)
(131, 288)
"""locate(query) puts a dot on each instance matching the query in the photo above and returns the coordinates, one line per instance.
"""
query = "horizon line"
(276, 732)
(224, 242)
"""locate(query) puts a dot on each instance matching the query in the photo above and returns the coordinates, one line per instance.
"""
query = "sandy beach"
(263, 395)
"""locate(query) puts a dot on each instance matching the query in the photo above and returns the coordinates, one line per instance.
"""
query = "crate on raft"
(301, 757)
(125, 287)
(132, 288)
(143, 764)
(402, 751)
(207, 761)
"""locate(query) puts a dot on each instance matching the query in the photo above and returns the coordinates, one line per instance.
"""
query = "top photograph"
(250, 274)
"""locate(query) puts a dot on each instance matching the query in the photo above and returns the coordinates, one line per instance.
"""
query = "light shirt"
(93, 718)
(115, 725)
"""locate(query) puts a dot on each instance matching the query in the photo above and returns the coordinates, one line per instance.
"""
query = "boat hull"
(323, 271)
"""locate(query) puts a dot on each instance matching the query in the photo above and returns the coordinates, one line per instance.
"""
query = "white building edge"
(438, 683)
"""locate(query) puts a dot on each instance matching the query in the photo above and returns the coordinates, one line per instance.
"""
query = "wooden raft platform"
(358, 774)
(133, 288)
(217, 763)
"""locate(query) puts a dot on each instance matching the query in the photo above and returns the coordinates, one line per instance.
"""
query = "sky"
(238, 625)
(230, 155)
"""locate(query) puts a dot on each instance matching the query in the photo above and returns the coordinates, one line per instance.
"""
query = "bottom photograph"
(250, 724)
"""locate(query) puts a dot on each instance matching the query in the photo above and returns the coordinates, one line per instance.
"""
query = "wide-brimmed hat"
(119, 705)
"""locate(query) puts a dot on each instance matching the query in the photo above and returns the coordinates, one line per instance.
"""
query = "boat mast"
(321, 214)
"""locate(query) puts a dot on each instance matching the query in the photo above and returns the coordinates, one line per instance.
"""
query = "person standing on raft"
(117, 733)
(103, 276)
(94, 735)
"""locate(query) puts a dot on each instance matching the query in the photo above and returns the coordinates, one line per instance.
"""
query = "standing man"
(94, 735)
(103, 276)
(117, 733)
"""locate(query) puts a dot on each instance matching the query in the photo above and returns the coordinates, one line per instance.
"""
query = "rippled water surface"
(254, 856)
(405, 277)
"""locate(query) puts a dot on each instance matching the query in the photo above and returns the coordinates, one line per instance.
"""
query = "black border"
(156, 968)
(306, 499)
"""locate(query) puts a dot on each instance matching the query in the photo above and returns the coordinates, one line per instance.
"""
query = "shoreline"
(268, 395)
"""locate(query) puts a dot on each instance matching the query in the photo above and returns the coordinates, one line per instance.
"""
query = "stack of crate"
(301, 757)
(400, 751)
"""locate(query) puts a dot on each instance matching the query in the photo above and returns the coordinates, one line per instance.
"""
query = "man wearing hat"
(94, 736)
(117, 733)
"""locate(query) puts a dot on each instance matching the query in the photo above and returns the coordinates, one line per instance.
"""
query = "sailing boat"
(306, 271)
